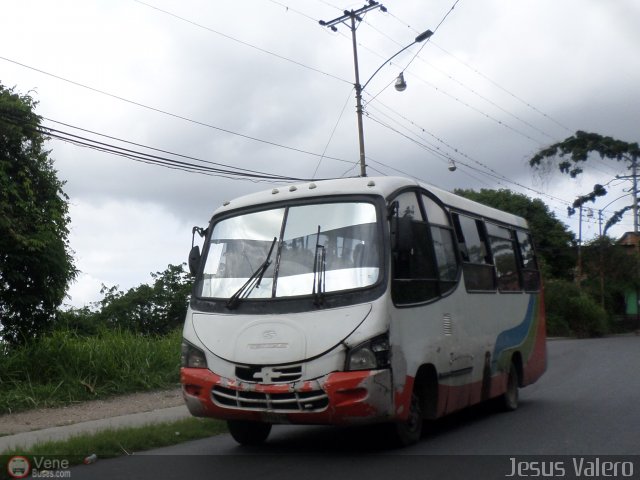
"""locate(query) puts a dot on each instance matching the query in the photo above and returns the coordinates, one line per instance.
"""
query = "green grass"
(123, 441)
(64, 368)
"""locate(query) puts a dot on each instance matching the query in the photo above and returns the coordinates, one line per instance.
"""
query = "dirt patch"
(93, 410)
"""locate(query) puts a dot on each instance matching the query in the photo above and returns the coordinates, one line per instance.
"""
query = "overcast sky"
(260, 85)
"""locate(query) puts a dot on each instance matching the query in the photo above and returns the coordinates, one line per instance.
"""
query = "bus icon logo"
(18, 467)
(269, 334)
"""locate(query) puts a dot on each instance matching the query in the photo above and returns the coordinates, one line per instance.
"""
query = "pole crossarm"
(352, 14)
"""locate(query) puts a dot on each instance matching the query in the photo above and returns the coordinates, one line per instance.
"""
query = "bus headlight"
(191, 356)
(370, 355)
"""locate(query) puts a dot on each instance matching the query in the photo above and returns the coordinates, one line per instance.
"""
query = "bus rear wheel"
(509, 399)
(248, 433)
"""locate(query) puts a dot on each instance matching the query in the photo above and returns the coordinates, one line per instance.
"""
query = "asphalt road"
(583, 412)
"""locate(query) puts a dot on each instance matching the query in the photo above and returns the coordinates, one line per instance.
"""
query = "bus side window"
(528, 262)
(443, 244)
(504, 255)
(477, 266)
(415, 277)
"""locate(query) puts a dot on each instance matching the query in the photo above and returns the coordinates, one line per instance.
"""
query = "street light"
(400, 84)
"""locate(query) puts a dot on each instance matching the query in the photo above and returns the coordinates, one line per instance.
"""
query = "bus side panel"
(537, 362)
(528, 339)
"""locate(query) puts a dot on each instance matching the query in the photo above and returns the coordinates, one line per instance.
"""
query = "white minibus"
(358, 301)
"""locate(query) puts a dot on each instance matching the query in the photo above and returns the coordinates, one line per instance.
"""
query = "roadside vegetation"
(65, 367)
(123, 441)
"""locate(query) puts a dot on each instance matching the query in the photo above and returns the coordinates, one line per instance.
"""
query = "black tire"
(509, 399)
(248, 433)
(408, 432)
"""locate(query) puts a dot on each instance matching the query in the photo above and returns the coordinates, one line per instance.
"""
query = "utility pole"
(400, 85)
(634, 176)
(354, 15)
(579, 269)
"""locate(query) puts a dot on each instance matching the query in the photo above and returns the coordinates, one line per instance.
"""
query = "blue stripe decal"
(514, 336)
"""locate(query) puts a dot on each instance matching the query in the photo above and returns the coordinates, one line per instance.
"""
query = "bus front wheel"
(409, 431)
(248, 433)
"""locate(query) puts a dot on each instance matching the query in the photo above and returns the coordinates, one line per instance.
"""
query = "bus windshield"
(320, 248)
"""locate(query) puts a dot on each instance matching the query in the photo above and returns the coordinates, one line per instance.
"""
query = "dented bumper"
(339, 398)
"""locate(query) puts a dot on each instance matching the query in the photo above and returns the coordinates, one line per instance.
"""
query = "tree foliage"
(610, 271)
(154, 309)
(571, 311)
(553, 240)
(36, 264)
(572, 153)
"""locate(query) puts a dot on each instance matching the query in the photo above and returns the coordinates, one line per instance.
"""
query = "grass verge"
(123, 441)
(63, 368)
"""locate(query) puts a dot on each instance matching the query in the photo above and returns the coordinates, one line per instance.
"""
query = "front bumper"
(339, 398)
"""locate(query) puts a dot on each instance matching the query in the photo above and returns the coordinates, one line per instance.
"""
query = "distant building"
(631, 241)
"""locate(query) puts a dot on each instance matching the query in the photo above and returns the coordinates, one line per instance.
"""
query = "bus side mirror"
(194, 254)
(194, 260)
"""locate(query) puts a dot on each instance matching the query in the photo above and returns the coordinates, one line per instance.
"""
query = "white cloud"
(532, 63)
(121, 243)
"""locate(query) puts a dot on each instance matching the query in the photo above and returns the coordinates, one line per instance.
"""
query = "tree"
(574, 151)
(36, 264)
(611, 271)
(553, 240)
(148, 309)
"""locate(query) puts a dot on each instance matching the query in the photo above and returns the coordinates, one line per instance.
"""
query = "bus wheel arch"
(516, 360)
(426, 388)
(423, 405)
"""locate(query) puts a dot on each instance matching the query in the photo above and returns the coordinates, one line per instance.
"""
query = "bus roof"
(382, 186)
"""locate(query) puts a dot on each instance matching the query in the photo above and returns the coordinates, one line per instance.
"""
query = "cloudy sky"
(260, 85)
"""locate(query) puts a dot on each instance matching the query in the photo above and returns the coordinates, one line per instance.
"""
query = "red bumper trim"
(353, 397)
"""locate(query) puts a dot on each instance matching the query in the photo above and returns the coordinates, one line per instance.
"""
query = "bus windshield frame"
(324, 248)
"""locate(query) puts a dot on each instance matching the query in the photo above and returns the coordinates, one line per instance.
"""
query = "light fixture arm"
(420, 38)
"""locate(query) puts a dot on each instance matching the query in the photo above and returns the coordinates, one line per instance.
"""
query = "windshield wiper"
(253, 282)
(319, 271)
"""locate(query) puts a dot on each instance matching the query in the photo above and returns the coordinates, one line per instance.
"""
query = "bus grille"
(261, 374)
(312, 401)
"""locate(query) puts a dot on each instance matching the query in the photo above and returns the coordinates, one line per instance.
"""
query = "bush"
(65, 367)
(572, 312)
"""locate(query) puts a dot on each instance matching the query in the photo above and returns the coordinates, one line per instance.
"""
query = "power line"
(486, 115)
(238, 169)
(157, 159)
(488, 100)
(335, 127)
(487, 78)
(182, 162)
(481, 112)
(207, 165)
(242, 42)
(487, 170)
(287, 7)
(527, 104)
(173, 115)
(434, 31)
